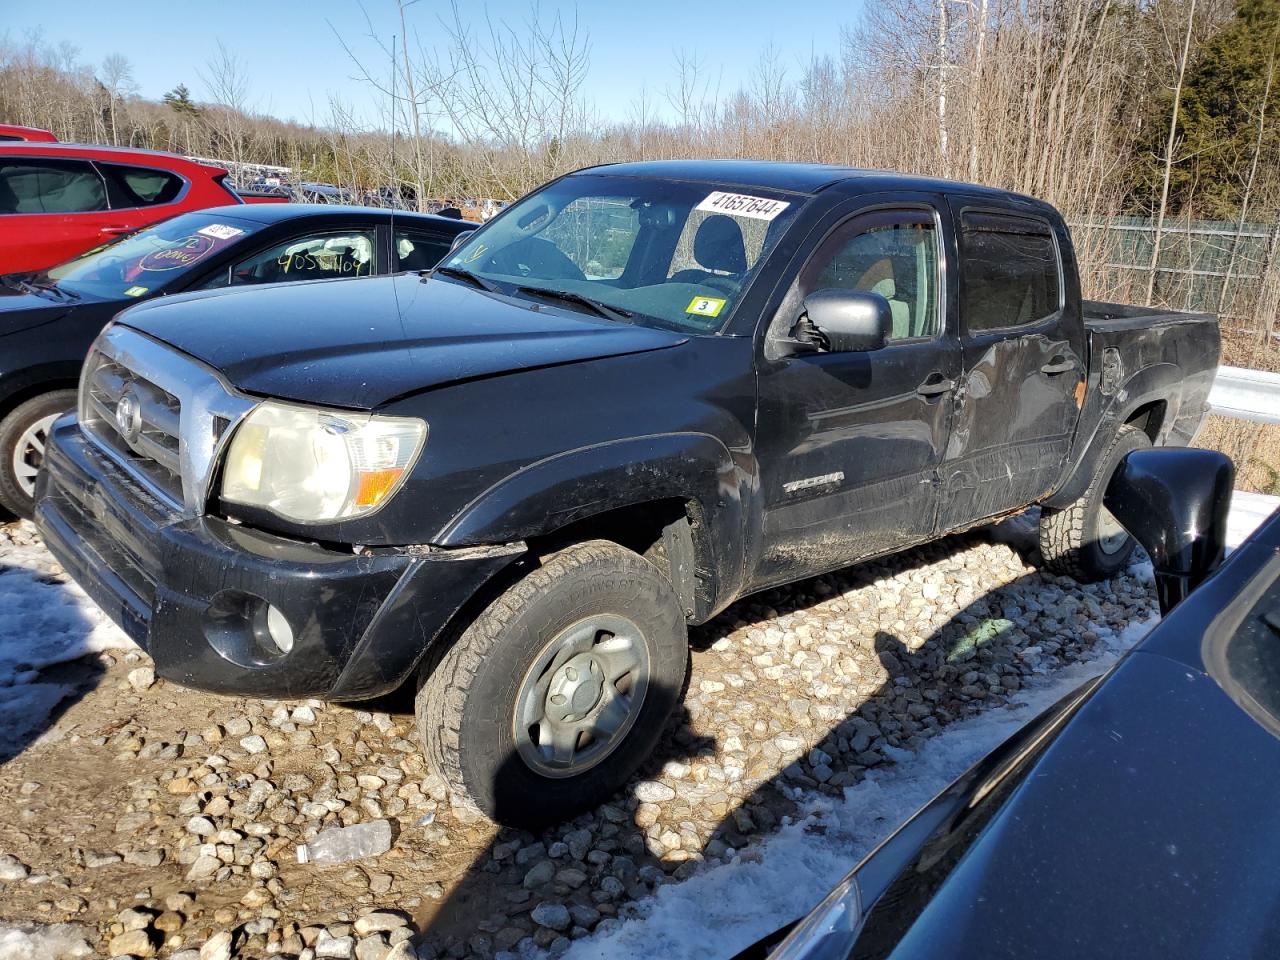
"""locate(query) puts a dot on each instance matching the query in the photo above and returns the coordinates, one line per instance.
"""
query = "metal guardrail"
(1244, 394)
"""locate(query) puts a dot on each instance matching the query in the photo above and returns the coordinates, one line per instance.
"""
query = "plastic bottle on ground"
(338, 844)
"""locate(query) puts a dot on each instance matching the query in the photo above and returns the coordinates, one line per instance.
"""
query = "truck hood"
(362, 343)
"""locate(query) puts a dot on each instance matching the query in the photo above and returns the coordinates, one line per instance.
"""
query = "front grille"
(136, 419)
(160, 414)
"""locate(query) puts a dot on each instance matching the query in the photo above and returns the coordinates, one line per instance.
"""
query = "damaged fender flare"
(589, 481)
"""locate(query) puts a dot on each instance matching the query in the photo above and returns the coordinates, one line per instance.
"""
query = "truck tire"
(554, 695)
(22, 436)
(1083, 541)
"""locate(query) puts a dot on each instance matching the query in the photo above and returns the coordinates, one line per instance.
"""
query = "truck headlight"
(313, 466)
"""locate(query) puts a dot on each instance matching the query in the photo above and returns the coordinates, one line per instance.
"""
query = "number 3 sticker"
(705, 306)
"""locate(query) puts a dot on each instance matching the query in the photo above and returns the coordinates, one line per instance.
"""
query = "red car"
(58, 200)
(29, 134)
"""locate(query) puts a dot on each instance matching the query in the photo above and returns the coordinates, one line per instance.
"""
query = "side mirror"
(846, 320)
(459, 239)
(1175, 501)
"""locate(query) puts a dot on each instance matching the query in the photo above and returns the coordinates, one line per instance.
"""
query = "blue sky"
(294, 61)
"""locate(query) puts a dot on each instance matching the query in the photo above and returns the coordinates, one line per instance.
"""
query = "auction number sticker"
(220, 231)
(742, 205)
(706, 306)
(135, 291)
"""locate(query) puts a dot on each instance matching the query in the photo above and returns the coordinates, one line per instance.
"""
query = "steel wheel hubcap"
(1112, 537)
(581, 696)
(28, 454)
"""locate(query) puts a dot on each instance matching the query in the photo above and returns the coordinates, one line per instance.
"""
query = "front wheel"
(23, 434)
(1083, 540)
(556, 693)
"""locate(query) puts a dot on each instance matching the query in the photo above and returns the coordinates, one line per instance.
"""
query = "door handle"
(114, 231)
(935, 388)
(1059, 364)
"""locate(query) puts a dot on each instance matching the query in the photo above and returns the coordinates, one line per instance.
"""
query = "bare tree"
(1170, 145)
(117, 79)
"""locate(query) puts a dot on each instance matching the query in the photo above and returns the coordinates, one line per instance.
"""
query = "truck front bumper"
(210, 600)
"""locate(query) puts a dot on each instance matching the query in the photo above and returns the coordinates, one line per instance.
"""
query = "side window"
(892, 253)
(319, 257)
(140, 186)
(1011, 272)
(419, 249)
(50, 186)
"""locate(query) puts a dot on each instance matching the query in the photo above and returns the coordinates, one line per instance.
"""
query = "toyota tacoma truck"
(641, 392)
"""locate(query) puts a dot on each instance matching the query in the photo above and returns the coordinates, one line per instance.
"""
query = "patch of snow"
(1248, 511)
(43, 622)
(39, 942)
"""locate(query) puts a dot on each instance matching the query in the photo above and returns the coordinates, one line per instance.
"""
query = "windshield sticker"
(135, 291)
(742, 205)
(219, 231)
(183, 254)
(706, 306)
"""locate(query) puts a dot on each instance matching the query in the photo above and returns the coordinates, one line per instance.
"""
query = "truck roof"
(796, 177)
(268, 213)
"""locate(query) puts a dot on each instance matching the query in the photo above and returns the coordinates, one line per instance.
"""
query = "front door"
(1023, 366)
(849, 443)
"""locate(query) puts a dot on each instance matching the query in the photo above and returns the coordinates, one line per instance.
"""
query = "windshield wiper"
(465, 275)
(617, 314)
(32, 287)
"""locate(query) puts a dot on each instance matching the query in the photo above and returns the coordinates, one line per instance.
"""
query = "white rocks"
(554, 916)
(652, 791)
(380, 921)
(11, 868)
(334, 948)
(217, 947)
(253, 744)
(142, 678)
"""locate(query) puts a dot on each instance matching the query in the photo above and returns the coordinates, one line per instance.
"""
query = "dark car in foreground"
(49, 318)
(1137, 817)
(639, 393)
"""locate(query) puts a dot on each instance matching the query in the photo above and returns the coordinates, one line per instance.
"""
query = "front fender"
(578, 484)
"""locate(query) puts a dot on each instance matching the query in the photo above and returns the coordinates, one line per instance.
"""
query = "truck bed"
(1100, 315)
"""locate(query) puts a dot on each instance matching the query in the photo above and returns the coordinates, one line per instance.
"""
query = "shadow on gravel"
(978, 657)
(499, 886)
(35, 692)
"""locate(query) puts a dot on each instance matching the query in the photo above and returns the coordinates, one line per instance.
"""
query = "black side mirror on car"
(843, 321)
(1175, 502)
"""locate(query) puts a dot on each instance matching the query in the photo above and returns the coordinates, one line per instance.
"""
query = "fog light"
(246, 629)
(277, 629)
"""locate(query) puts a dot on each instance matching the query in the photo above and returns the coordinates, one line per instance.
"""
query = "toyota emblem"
(129, 416)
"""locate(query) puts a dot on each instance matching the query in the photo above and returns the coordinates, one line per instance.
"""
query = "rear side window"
(140, 186)
(50, 186)
(324, 256)
(1012, 276)
(419, 249)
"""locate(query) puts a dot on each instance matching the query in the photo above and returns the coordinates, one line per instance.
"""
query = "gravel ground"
(152, 820)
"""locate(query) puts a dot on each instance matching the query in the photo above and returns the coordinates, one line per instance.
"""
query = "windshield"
(150, 259)
(673, 254)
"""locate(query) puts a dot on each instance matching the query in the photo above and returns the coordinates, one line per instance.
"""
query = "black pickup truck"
(639, 393)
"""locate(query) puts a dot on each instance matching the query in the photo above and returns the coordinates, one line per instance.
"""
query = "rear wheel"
(1083, 540)
(23, 434)
(556, 693)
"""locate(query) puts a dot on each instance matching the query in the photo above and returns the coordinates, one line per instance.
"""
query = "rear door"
(849, 444)
(1023, 364)
(51, 209)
